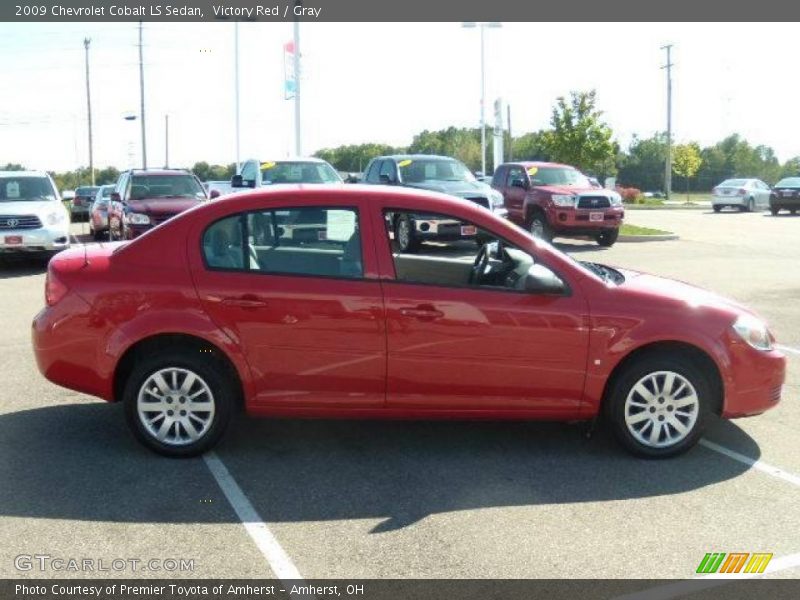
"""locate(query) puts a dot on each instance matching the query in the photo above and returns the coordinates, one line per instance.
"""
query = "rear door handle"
(247, 301)
(423, 312)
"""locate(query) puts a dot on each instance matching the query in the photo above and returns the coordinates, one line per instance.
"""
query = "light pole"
(131, 117)
(482, 26)
(668, 165)
(141, 98)
(86, 42)
(236, 89)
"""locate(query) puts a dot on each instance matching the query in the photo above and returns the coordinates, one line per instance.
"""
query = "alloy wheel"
(661, 409)
(175, 406)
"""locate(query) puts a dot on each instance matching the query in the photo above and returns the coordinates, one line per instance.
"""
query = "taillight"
(54, 289)
(742, 192)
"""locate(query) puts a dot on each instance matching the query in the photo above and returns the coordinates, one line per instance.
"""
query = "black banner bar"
(398, 10)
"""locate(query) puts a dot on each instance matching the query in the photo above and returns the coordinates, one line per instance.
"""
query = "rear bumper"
(729, 200)
(784, 202)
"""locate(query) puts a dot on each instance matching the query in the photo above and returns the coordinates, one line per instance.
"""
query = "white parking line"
(787, 349)
(276, 556)
(756, 464)
(680, 589)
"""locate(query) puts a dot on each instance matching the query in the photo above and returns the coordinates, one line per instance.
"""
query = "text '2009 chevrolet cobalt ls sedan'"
(296, 301)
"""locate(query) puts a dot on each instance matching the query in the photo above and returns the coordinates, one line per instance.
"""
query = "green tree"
(12, 167)
(461, 143)
(529, 146)
(686, 162)
(353, 158)
(578, 136)
(643, 165)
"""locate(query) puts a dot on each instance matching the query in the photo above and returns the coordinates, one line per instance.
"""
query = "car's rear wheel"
(793, 210)
(659, 405)
(751, 205)
(717, 208)
(404, 234)
(608, 237)
(539, 228)
(774, 210)
(178, 404)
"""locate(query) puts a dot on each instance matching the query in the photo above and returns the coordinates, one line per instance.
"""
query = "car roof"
(23, 174)
(415, 157)
(310, 159)
(160, 171)
(527, 164)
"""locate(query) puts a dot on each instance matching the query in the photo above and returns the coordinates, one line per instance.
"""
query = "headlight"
(54, 218)
(615, 198)
(563, 200)
(137, 219)
(496, 200)
(754, 332)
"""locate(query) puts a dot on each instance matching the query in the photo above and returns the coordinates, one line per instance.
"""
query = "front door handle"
(423, 312)
(247, 301)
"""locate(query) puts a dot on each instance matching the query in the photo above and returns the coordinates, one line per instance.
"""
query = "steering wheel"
(479, 266)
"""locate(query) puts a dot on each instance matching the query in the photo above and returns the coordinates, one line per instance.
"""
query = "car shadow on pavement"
(79, 462)
(22, 266)
(573, 248)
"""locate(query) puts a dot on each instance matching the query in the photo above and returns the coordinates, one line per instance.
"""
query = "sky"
(377, 82)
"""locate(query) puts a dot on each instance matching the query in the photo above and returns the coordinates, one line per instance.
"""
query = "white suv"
(32, 217)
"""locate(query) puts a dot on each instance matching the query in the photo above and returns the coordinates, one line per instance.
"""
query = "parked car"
(98, 212)
(745, 194)
(550, 199)
(255, 173)
(82, 202)
(785, 195)
(435, 173)
(143, 199)
(32, 217)
(291, 302)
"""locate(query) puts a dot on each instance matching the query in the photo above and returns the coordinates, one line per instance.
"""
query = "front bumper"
(757, 381)
(579, 221)
(44, 239)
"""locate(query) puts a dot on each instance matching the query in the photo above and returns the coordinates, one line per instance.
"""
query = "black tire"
(649, 365)
(792, 210)
(408, 244)
(98, 235)
(608, 237)
(538, 226)
(774, 210)
(210, 371)
(717, 209)
(751, 205)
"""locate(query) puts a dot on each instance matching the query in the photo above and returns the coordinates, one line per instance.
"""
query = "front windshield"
(789, 182)
(26, 189)
(422, 170)
(165, 186)
(298, 172)
(558, 176)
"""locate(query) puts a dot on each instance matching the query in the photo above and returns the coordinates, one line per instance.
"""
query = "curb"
(648, 238)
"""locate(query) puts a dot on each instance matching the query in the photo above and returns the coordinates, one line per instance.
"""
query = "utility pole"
(668, 166)
(298, 143)
(141, 97)
(166, 141)
(86, 42)
(510, 137)
(236, 89)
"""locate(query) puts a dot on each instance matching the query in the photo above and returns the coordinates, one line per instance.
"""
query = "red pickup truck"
(550, 199)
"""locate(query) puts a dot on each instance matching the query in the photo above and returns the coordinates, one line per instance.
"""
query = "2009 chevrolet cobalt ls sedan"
(295, 301)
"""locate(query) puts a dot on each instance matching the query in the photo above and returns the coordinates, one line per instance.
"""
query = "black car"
(438, 174)
(82, 203)
(785, 194)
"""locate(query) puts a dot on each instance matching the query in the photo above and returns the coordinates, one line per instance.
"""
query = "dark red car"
(143, 199)
(550, 199)
(296, 302)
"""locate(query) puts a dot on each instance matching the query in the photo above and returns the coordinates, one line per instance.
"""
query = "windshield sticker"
(12, 189)
(267, 165)
(533, 170)
(404, 163)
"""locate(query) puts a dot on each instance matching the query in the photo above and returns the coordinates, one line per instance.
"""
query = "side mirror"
(214, 194)
(519, 183)
(542, 280)
(115, 197)
(386, 180)
(236, 181)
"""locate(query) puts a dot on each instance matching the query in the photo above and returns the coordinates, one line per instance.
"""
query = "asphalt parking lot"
(358, 499)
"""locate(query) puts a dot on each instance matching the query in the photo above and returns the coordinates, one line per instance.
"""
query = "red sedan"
(295, 301)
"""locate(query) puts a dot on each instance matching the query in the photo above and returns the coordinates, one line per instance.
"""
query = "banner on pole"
(289, 76)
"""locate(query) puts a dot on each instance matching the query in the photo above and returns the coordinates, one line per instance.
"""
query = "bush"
(630, 195)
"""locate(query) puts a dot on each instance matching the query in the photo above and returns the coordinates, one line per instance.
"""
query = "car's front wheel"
(178, 404)
(539, 228)
(774, 210)
(659, 405)
(608, 237)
